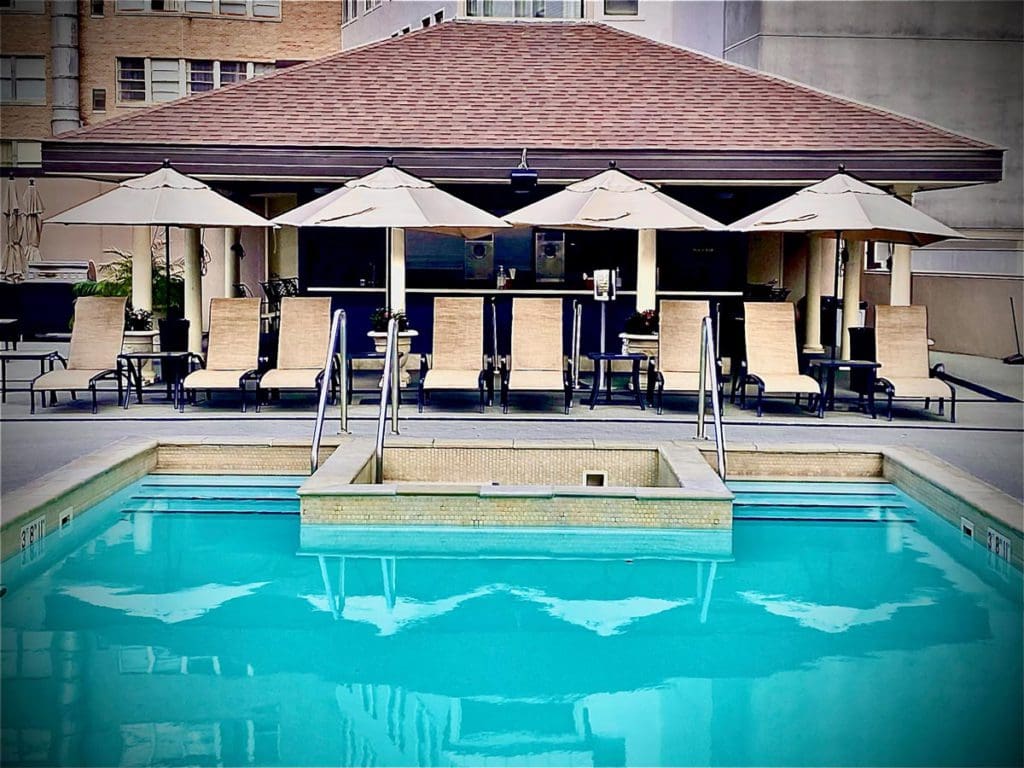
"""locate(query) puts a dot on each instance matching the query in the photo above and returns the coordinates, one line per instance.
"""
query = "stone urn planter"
(142, 341)
(380, 339)
(642, 344)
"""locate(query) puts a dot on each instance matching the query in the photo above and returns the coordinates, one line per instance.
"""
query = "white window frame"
(529, 13)
(349, 11)
(604, 15)
(16, 150)
(15, 100)
(180, 8)
(184, 68)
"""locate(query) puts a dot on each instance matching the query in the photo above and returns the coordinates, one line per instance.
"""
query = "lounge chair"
(96, 340)
(303, 338)
(233, 353)
(677, 366)
(901, 346)
(536, 363)
(458, 360)
(769, 329)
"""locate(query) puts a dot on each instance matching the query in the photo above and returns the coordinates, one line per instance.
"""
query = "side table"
(173, 367)
(607, 358)
(827, 368)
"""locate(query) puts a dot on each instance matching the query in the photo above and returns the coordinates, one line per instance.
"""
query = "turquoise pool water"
(186, 622)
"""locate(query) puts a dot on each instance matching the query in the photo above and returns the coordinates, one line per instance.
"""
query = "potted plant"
(379, 319)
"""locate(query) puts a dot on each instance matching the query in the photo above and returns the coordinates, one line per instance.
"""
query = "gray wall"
(956, 64)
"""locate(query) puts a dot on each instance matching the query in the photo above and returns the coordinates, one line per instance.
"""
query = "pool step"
(216, 494)
(854, 502)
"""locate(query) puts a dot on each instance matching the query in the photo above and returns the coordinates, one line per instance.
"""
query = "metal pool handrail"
(339, 337)
(390, 377)
(707, 358)
(577, 327)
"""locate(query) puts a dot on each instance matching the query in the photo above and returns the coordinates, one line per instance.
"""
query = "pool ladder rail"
(389, 390)
(707, 362)
(337, 353)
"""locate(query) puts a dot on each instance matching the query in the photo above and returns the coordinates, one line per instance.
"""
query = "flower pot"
(142, 341)
(380, 340)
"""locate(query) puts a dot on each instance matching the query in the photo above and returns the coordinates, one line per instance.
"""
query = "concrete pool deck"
(987, 441)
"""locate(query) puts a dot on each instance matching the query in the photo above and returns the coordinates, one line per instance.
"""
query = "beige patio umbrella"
(32, 224)
(390, 198)
(844, 206)
(164, 198)
(11, 257)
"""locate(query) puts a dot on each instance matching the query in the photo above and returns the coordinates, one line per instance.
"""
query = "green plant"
(645, 322)
(137, 319)
(116, 280)
(381, 315)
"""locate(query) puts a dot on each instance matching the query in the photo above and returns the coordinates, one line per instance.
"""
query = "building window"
(349, 10)
(621, 7)
(367, 5)
(165, 79)
(23, 79)
(200, 77)
(439, 17)
(99, 99)
(131, 80)
(22, 6)
(526, 9)
(255, 9)
(96, 8)
(425, 22)
(21, 154)
(406, 30)
(233, 72)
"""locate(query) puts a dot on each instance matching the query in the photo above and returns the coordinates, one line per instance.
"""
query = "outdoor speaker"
(523, 179)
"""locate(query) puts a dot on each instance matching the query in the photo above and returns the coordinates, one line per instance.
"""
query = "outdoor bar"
(719, 138)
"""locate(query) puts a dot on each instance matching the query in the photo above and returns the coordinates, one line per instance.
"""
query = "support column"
(232, 265)
(646, 270)
(396, 268)
(812, 320)
(142, 269)
(851, 292)
(899, 276)
(194, 290)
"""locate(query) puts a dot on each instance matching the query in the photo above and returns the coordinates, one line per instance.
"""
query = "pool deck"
(987, 441)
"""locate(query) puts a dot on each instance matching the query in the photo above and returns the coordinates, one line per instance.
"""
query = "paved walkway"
(988, 439)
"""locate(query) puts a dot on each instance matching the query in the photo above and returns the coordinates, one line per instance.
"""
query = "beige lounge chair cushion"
(679, 335)
(75, 378)
(796, 383)
(438, 378)
(458, 335)
(901, 342)
(536, 380)
(290, 378)
(234, 335)
(537, 335)
(685, 381)
(918, 387)
(770, 332)
(97, 333)
(207, 379)
(305, 332)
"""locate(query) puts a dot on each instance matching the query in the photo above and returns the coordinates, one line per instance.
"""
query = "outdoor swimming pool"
(836, 624)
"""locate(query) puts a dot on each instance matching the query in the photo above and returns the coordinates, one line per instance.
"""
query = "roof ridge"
(838, 98)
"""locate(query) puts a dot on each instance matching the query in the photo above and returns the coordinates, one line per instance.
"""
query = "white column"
(194, 290)
(812, 320)
(851, 292)
(646, 269)
(142, 269)
(396, 266)
(899, 276)
(231, 262)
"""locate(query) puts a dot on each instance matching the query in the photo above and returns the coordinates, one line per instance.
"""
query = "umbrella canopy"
(392, 198)
(11, 257)
(612, 200)
(32, 223)
(842, 203)
(162, 198)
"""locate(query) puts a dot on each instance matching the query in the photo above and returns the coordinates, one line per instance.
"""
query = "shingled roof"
(506, 85)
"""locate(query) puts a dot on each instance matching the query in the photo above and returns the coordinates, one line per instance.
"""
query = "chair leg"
(890, 404)
(483, 397)
(952, 406)
(92, 390)
(928, 404)
(743, 394)
(942, 406)
(661, 397)
(32, 400)
(419, 397)
(243, 397)
(760, 397)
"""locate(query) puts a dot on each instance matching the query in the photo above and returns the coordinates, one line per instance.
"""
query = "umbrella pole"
(387, 268)
(167, 266)
(836, 329)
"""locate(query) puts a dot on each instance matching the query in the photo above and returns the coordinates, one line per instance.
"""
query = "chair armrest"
(937, 369)
(424, 365)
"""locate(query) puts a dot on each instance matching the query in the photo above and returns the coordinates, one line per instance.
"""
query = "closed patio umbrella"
(390, 198)
(32, 223)
(164, 198)
(11, 257)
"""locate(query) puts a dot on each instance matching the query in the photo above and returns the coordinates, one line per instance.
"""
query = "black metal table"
(173, 368)
(49, 356)
(607, 358)
(827, 368)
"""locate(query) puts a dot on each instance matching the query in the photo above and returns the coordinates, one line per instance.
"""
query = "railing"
(389, 381)
(339, 338)
(577, 327)
(707, 358)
